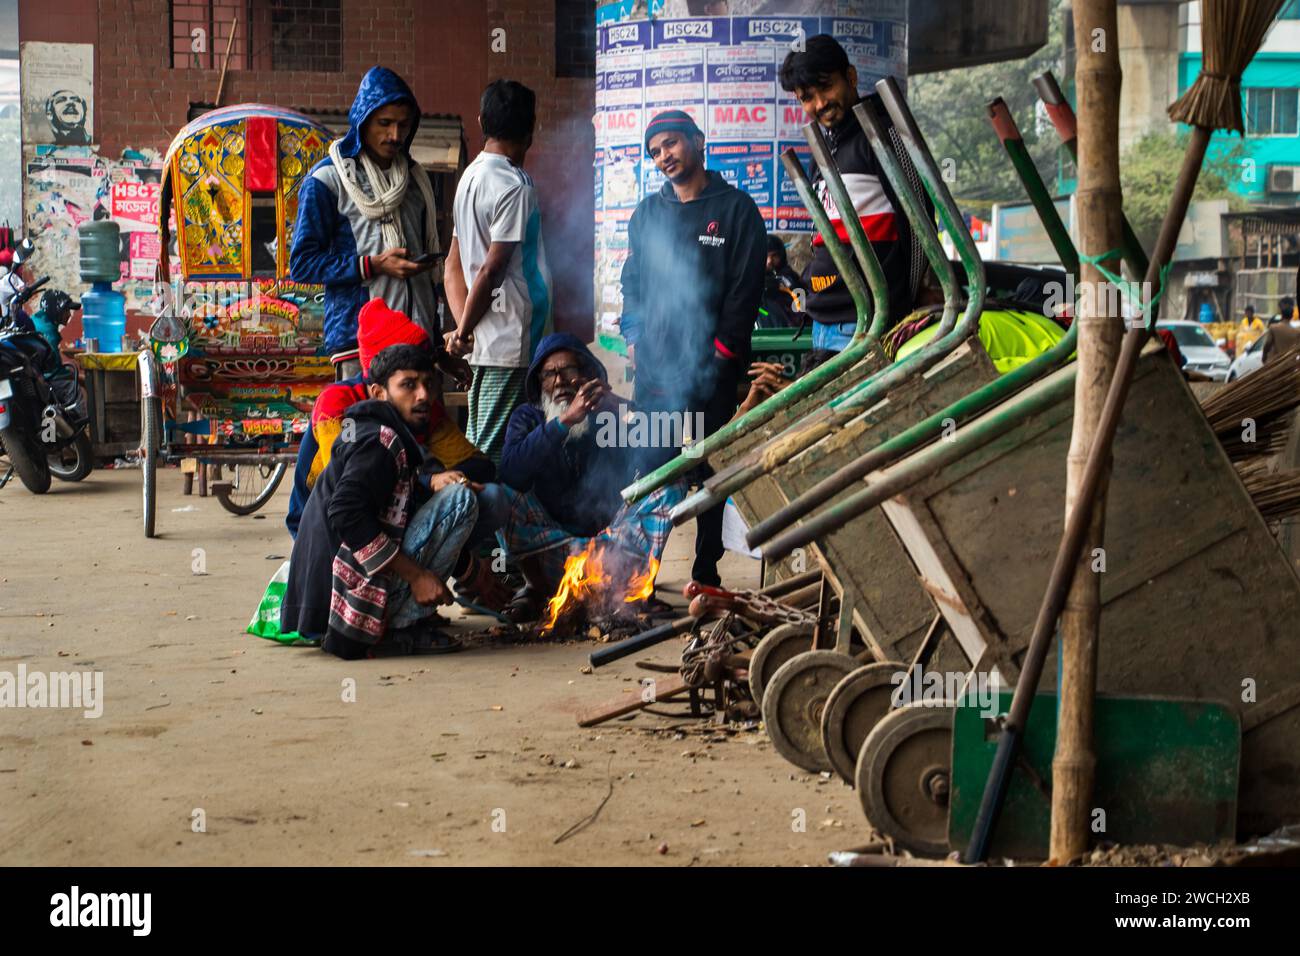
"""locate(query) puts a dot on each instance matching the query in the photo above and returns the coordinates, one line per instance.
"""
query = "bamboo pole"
(230, 45)
(1097, 81)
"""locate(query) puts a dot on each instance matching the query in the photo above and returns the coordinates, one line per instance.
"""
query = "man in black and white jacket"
(826, 85)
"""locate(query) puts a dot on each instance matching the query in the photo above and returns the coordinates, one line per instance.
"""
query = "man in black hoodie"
(783, 291)
(692, 284)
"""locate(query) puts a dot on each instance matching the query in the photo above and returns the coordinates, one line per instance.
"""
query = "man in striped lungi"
(498, 283)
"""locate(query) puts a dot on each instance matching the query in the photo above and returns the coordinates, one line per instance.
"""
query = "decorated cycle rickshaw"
(232, 367)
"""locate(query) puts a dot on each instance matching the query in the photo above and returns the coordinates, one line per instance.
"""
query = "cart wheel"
(151, 448)
(903, 776)
(777, 646)
(856, 704)
(793, 703)
(250, 486)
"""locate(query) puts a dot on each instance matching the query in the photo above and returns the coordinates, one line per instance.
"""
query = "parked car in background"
(1248, 361)
(1200, 351)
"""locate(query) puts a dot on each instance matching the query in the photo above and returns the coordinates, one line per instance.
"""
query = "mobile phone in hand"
(427, 258)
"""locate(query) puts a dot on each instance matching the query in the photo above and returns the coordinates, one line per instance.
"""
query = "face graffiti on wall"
(67, 112)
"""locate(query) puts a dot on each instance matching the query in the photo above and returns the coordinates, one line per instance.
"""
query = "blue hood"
(555, 342)
(379, 87)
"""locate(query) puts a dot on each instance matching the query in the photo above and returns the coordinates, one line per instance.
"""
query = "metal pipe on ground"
(662, 632)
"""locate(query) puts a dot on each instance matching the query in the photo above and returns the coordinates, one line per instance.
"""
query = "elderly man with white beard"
(566, 474)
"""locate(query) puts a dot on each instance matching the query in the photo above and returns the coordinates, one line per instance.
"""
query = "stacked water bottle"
(103, 309)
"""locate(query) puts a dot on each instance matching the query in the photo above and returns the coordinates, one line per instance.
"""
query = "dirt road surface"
(466, 759)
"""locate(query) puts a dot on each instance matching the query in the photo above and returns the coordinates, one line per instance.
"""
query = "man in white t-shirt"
(498, 284)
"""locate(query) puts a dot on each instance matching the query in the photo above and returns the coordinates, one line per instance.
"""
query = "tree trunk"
(1097, 85)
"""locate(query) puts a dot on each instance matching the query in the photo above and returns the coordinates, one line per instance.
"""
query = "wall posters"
(68, 186)
(717, 60)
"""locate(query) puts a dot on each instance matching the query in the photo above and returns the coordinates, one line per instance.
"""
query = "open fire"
(597, 578)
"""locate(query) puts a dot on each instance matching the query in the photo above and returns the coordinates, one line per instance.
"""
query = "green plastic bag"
(266, 620)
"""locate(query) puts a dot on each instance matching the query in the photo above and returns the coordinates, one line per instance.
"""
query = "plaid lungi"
(640, 530)
(494, 393)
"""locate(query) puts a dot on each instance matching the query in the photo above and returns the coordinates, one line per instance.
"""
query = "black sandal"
(436, 642)
(655, 608)
(526, 606)
(420, 638)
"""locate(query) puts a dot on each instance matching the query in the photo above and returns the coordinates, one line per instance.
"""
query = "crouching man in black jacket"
(370, 563)
(692, 284)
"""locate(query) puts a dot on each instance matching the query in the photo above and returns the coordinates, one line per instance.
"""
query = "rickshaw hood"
(379, 87)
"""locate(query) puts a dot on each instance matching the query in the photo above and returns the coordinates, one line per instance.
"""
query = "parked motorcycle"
(44, 424)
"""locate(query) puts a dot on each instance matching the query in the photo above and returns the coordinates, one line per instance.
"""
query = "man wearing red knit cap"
(451, 456)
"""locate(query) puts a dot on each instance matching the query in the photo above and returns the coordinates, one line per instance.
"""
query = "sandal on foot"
(478, 584)
(526, 606)
(424, 639)
(435, 642)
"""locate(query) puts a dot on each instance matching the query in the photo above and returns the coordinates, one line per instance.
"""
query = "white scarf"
(389, 188)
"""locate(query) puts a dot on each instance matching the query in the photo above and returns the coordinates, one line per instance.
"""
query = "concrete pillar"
(1148, 57)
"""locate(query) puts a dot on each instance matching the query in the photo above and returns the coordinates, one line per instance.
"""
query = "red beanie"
(378, 327)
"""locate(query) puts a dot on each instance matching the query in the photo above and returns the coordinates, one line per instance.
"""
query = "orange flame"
(583, 573)
(586, 576)
(642, 586)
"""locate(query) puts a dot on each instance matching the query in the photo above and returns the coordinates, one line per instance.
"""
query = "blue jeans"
(433, 540)
(493, 513)
(832, 337)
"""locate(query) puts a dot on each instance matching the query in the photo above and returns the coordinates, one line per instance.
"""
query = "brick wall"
(443, 49)
(562, 153)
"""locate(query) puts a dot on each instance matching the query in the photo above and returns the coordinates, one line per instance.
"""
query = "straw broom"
(1252, 418)
(1274, 388)
(1277, 495)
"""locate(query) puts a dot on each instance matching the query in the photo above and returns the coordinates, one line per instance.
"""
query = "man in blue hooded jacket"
(367, 223)
(562, 458)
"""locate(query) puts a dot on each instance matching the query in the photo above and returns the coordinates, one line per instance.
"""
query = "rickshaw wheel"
(903, 777)
(150, 443)
(251, 486)
(794, 701)
(855, 705)
(777, 646)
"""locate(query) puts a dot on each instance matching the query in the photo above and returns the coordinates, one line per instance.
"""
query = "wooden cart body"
(864, 563)
(1197, 598)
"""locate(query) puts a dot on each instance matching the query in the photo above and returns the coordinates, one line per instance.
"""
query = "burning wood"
(589, 583)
